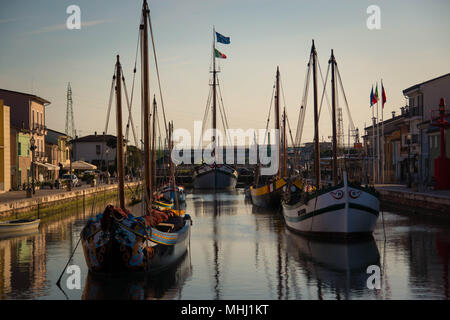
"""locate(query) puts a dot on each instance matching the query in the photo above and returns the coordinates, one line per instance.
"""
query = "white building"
(99, 150)
(423, 101)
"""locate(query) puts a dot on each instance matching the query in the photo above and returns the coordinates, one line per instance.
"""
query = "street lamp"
(409, 160)
(32, 148)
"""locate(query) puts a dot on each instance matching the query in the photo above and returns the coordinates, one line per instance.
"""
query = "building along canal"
(237, 252)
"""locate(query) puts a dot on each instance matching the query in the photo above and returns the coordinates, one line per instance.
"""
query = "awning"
(48, 166)
(82, 165)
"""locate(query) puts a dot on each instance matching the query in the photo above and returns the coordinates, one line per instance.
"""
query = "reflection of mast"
(216, 251)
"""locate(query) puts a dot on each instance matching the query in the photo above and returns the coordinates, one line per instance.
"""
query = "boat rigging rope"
(302, 113)
(110, 101)
(268, 116)
(157, 71)
(130, 116)
(285, 110)
(352, 126)
(205, 116)
(324, 83)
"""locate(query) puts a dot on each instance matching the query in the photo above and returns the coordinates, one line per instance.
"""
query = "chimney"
(95, 133)
(393, 114)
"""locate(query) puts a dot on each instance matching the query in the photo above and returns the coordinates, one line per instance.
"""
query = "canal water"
(237, 252)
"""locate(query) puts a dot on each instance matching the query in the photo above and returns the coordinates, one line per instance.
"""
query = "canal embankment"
(14, 202)
(428, 202)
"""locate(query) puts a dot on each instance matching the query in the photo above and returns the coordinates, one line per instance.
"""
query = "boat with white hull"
(343, 211)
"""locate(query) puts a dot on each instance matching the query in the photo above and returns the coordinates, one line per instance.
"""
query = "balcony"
(39, 129)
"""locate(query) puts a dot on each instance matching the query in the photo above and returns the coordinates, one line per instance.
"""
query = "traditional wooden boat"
(267, 191)
(117, 242)
(340, 210)
(171, 193)
(215, 175)
(17, 226)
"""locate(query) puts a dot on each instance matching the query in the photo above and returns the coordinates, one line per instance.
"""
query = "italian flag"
(220, 54)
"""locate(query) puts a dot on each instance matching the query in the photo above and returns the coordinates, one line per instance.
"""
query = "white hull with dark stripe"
(344, 212)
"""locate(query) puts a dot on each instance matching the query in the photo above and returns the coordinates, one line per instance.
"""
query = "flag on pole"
(376, 94)
(383, 95)
(372, 98)
(219, 54)
(222, 38)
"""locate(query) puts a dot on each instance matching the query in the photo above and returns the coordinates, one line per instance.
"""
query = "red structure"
(442, 163)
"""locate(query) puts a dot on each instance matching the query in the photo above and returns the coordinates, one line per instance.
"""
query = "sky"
(39, 55)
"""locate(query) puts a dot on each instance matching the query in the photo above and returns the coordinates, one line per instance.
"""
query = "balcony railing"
(39, 129)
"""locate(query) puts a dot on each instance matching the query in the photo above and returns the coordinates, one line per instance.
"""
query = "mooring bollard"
(38, 208)
(84, 201)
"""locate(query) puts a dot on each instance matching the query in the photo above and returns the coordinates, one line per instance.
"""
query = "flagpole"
(373, 144)
(382, 132)
(378, 142)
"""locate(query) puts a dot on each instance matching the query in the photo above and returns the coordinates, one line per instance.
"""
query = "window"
(411, 102)
(33, 121)
(19, 149)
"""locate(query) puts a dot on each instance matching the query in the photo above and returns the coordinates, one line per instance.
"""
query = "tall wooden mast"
(153, 144)
(120, 156)
(277, 118)
(284, 144)
(333, 106)
(214, 109)
(146, 102)
(316, 119)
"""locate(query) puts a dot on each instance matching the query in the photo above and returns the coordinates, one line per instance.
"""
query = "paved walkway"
(404, 188)
(13, 196)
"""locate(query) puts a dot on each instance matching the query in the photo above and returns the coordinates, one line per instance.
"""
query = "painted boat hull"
(170, 194)
(215, 178)
(16, 226)
(343, 211)
(268, 196)
(126, 249)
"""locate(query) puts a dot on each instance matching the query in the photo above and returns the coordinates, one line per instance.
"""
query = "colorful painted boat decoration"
(268, 195)
(116, 242)
(169, 193)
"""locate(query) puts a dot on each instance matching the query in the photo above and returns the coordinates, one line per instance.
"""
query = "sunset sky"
(39, 55)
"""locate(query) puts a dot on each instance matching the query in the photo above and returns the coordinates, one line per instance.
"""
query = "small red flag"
(383, 94)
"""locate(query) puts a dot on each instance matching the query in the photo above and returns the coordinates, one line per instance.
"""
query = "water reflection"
(237, 252)
(166, 285)
(338, 266)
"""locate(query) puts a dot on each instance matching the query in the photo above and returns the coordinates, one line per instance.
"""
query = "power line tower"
(70, 126)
